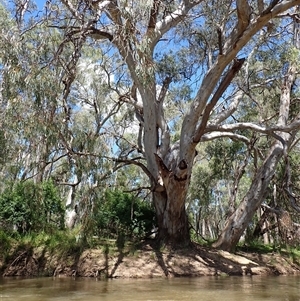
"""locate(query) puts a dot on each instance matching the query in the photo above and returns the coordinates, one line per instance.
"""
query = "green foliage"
(117, 214)
(63, 242)
(295, 255)
(222, 156)
(202, 189)
(5, 243)
(31, 207)
(291, 55)
(223, 153)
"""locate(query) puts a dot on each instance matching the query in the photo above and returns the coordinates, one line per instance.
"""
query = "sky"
(40, 3)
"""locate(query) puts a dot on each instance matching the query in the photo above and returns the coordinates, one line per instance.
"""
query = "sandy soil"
(146, 262)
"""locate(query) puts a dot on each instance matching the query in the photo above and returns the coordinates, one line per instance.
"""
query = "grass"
(287, 251)
(293, 253)
(70, 243)
(256, 247)
(59, 242)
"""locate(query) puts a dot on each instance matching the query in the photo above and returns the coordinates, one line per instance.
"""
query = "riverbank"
(146, 261)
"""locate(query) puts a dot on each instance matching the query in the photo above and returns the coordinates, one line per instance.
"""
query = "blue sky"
(40, 3)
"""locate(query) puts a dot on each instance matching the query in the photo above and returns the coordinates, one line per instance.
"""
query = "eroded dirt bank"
(147, 262)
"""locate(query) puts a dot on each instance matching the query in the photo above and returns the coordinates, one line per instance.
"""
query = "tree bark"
(169, 201)
(171, 217)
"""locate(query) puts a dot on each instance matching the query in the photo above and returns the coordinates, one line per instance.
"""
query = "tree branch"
(223, 115)
(251, 126)
(243, 13)
(114, 12)
(153, 16)
(99, 34)
(137, 163)
(216, 135)
(230, 50)
(161, 122)
(163, 170)
(237, 65)
(260, 6)
(170, 21)
(71, 8)
(270, 7)
(235, 41)
(220, 40)
(164, 88)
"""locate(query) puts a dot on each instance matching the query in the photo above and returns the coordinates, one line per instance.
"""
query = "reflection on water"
(200, 289)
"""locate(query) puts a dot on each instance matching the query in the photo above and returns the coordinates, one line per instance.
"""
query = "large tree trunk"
(169, 199)
(173, 228)
(172, 223)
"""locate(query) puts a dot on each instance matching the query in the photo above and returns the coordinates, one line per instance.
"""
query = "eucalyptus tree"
(211, 41)
(29, 95)
(282, 82)
(262, 81)
(43, 137)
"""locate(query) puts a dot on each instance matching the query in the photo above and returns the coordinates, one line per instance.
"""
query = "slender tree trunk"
(203, 228)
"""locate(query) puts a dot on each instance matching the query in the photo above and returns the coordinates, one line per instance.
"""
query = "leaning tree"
(282, 124)
(162, 44)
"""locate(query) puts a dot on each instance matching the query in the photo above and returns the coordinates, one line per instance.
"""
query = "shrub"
(31, 207)
(119, 213)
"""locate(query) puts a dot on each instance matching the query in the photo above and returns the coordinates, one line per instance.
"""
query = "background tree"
(42, 137)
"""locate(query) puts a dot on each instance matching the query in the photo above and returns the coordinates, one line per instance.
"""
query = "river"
(190, 289)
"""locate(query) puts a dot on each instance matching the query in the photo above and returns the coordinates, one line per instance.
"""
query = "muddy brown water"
(256, 288)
